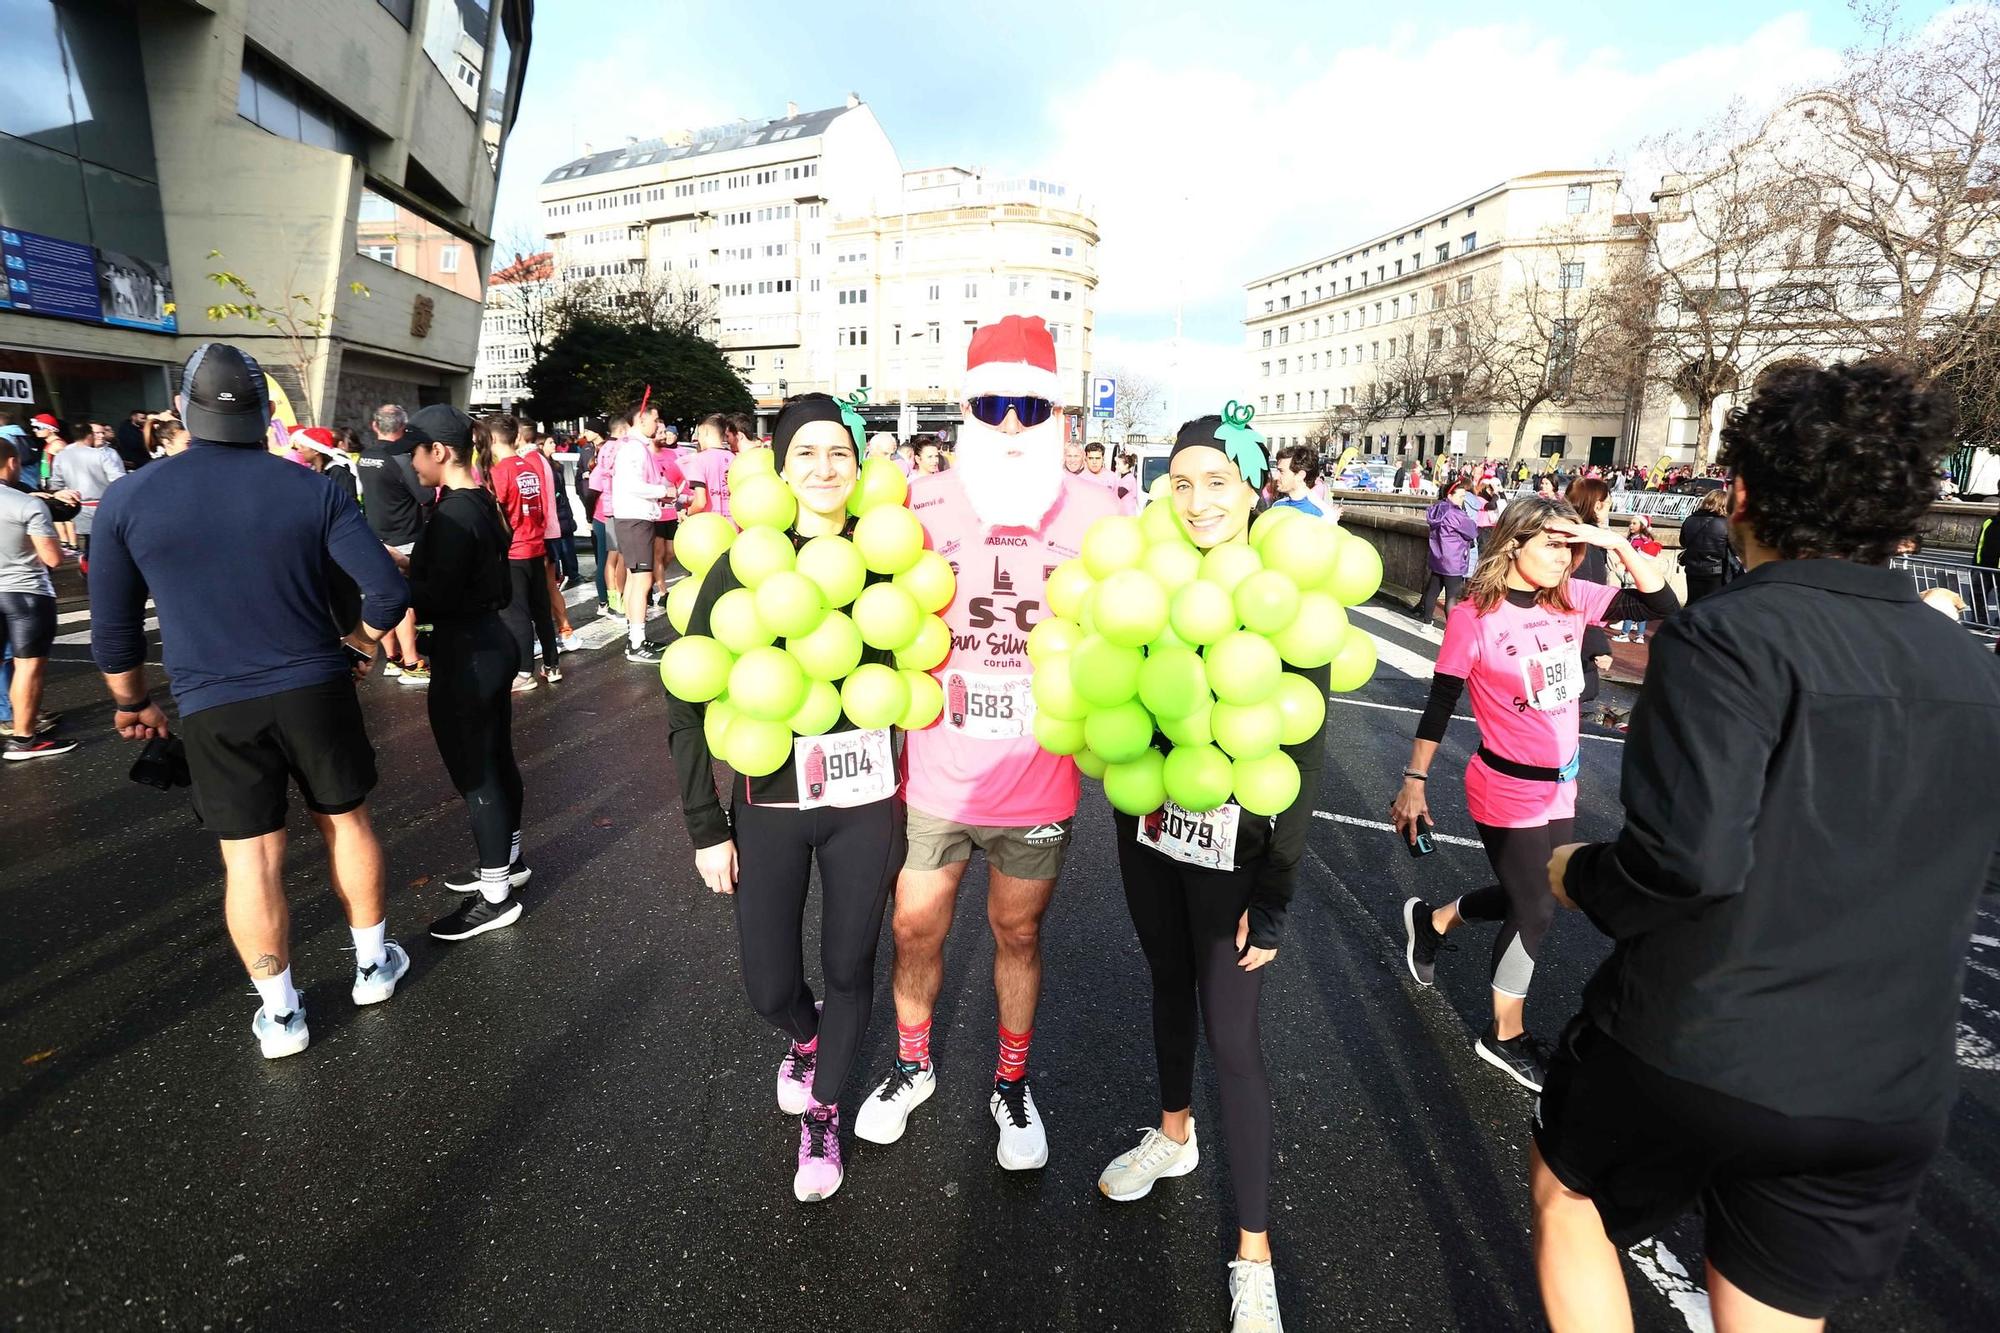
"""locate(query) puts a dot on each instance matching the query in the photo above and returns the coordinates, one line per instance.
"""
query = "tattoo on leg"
(268, 965)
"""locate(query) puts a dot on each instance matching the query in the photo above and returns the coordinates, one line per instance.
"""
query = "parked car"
(1696, 485)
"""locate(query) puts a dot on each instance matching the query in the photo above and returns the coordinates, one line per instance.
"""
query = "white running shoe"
(282, 1036)
(886, 1113)
(374, 984)
(571, 642)
(1024, 1146)
(1253, 1297)
(1131, 1174)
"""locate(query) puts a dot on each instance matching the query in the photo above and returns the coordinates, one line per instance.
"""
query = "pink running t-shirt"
(979, 763)
(709, 469)
(1524, 669)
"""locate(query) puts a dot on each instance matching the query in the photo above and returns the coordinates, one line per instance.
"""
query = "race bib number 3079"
(988, 708)
(1207, 840)
(844, 768)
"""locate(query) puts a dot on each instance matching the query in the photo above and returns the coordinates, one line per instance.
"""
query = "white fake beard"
(1011, 492)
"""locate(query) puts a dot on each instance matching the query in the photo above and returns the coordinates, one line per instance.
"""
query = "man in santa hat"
(1005, 516)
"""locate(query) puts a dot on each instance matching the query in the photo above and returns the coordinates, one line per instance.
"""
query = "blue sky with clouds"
(1216, 142)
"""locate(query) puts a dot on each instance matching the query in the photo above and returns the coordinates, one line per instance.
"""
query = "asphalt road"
(570, 1124)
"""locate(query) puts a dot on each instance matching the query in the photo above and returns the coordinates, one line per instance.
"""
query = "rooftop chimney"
(852, 101)
(791, 111)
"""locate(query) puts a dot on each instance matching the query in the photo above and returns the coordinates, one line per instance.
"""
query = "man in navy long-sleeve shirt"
(235, 546)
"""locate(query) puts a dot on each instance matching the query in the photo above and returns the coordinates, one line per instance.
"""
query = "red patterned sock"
(1013, 1053)
(913, 1042)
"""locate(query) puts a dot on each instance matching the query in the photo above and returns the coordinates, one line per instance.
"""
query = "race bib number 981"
(1552, 679)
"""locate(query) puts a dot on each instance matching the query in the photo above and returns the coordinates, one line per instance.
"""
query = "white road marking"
(83, 636)
(1456, 717)
(1377, 824)
(1412, 664)
(1670, 1277)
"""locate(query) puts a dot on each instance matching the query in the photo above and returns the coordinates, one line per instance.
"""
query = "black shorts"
(242, 755)
(1800, 1211)
(28, 623)
(663, 528)
(635, 543)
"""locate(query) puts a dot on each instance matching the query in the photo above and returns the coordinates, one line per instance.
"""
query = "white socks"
(514, 850)
(493, 884)
(635, 635)
(278, 994)
(368, 947)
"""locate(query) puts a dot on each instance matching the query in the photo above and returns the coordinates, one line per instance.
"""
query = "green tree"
(599, 365)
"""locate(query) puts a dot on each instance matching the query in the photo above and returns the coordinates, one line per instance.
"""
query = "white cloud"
(1203, 178)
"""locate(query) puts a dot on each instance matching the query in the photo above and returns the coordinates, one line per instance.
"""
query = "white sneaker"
(1253, 1297)
(281, 1037)
(525, 681)
(886, 1113)
(1024, 1146)
(1131, 1174)
(372, 985)
(571, 643)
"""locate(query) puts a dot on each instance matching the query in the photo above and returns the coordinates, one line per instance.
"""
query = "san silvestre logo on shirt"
(1006, 615)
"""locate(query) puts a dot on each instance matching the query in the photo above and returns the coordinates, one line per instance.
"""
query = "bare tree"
(676, 302)
(1137, 403)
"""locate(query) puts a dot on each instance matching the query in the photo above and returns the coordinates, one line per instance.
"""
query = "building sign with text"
(45, 275)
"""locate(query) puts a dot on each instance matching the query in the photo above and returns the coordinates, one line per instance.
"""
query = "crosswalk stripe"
(1390, 650)
(1377, 824)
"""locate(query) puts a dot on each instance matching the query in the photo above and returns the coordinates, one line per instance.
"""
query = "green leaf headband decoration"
(850, 416)
(1244, 446)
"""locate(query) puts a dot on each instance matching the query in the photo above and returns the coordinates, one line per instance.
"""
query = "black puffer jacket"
(1704, 544)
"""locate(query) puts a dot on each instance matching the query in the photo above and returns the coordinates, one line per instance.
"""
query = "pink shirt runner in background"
(709, 470)
(1509, 657)
(979, 764)
(552, 495)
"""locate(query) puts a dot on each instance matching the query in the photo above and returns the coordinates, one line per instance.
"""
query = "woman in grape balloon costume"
(1516, 638)
(1187, 666)
(807, 639)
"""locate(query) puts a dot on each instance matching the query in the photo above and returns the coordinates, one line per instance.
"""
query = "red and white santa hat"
(1017, 355)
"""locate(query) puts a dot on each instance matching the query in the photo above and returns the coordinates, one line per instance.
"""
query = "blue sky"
(1217, 142)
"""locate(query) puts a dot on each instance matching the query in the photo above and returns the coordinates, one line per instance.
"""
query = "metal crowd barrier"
(1978, 585)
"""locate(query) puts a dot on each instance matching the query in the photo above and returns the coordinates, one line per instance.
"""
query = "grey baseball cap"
(226, 401)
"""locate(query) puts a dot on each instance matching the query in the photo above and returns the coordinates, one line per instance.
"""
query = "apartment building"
(505, 348)
(1320, 335)
(342, 150)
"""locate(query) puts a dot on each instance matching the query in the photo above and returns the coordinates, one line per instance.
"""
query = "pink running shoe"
(795, 1079)
(819, 1173)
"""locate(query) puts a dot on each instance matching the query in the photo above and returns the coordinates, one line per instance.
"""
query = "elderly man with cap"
(1005, 516)
(234, 546)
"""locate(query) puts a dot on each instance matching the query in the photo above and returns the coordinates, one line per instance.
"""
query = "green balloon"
(881, 483)
(1242, 668)
(926, 700)
(1267, 601)
(1105, 673)
(1202, 613)
(886, 615)
(1357, 571)
(875, 695)
(1173, 564)
(695, 668)
(1354, 663)
(1066, 587)
(929, 582)
(1161, 526)
(715, 724)
(1266, 785)
(1315, 634)
(818, 714)
(1304, 550)
(1139, 786)
(789, 603)
(1112, 544)
(760, 500)
(1269, 522)
(680, 603)
(1119, 733)
(1194, 729)
(1055, 695)
(700, 541)
(767, 683)
(1229, 564)
(1246, 731)
(1052, 636)
(735, 622)
(928, 649)
(1168, 639)
(890, 539)
(1130, 608)
(1090, 765)
(1172, 683)
(1301, 709)
(757, 747)
(760, 553)
(1198, 777)
(835, 568)
(831, 651)
(1058, 735)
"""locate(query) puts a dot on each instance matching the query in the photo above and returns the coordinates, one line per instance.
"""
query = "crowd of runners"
(1771, 1040)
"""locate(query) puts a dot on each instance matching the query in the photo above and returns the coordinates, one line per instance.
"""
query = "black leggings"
(472, 716)
(859, 851)
(1521, 901)
(1186, 918)
(1451, 585)
(528, 613)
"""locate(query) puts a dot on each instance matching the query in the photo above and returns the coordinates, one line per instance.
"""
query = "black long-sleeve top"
(458, 568)
(1809, 820)
(1704, 544)
(694, 763)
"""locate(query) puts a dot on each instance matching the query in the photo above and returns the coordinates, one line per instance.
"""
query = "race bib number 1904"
(844, 768)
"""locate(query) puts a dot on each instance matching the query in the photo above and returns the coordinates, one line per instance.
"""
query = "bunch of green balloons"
(1148, 632)
(782, 657)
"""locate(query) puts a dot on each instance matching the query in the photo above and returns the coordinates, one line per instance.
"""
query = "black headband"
(803, 411)
(1232, 438)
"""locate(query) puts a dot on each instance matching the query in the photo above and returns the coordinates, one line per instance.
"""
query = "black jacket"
(392, 498)
(1704, 545)
(1809, 819)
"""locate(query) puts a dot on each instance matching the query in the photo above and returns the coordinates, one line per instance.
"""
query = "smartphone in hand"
(1422, 844)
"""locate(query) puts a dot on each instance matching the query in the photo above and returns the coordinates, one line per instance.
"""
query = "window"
(1374, 351)
(1399, 268)
(1267, 332)
(381, 254)
(749, 360)
(448, 258)
(1343, 356)
(1378, 312)
(1552, 445)
(1572, 275)
(1578, 201)
(853, 296)
(1436, 339)
(1465, 289)
(401, 9)
(271, 99)
(1282, 363)
(1285, 334)
(1396, 308)
(972, 291)
(1281, 403)
(1444, 252)
(1266, 369)
(1468, 242)
(1315, 361)
(935, 292)
(1439, 295)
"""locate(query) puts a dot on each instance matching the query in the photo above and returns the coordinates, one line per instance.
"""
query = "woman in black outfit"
(1705, 545)
(1590, 497)
(458, 584)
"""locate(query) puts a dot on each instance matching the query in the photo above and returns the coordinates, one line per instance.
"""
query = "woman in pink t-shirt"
(1516, 642)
